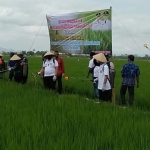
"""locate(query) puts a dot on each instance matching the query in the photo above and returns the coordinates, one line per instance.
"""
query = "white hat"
(112, 65)
(1, 54)
(49, 53)
(15, 57)
(100, 57)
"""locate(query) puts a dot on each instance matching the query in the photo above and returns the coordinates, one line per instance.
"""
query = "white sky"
(20, 21)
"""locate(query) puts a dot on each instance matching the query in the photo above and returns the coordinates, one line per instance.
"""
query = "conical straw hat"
(48, 54)
(15, 57)
(100, 57)
(1, 54)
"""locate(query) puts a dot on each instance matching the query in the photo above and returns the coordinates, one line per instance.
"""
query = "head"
(106, 13)
(98, 16)
(92, 54)
(20, 54)
(131, 58)
(56, 54)
(107, 56)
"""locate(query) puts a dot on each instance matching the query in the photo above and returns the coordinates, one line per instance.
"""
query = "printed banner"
(82, 32)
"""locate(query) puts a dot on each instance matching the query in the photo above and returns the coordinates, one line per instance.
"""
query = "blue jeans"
(96, 91)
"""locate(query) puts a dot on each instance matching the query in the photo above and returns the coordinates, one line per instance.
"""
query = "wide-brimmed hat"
(1, 54)
(15, 57)
(49, 54)
(100, 57)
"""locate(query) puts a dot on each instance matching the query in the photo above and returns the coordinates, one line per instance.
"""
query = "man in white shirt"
(104, 85)
(106, 24)
(97, 24)
(49, 71)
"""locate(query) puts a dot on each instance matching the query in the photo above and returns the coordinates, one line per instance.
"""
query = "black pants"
(105, 95)
(49, 83)
(123, 92)
(59, 81)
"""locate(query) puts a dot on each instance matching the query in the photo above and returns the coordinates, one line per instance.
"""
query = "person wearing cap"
(2, 65)
(60, 72)
(104, 85)
(106, 24)
(49, 71)
(11, 64)
(17, 68)
(97, 24)
(130, 72)
(24, 62)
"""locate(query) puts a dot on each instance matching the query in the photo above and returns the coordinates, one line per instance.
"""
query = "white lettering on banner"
(76, 47)
(73, 42)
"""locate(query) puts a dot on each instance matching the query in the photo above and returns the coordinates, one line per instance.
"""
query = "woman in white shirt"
(49, 71)
(104, 85)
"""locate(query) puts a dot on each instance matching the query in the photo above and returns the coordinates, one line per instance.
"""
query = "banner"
(82, 32)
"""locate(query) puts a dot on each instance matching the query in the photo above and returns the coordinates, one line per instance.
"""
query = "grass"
(32, 118)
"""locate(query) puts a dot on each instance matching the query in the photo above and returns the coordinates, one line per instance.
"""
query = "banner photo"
(82, 32)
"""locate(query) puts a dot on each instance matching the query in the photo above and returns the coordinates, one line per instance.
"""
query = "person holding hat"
(2, 65)
(106, 24)
(97, 24)
(24, 62)
(49, 71)
(104, 85)
(17, 68)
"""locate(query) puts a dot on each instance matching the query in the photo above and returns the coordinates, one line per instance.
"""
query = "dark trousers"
(49, 83)
(105, 95)
(59, 81)
(123, 92)
(18, 79)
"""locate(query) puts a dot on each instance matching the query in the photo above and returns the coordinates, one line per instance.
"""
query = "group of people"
(52, 71)
(103, 74)
(18, 68)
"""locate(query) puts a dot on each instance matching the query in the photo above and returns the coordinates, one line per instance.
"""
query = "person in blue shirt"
(130, 73)
(11, 64)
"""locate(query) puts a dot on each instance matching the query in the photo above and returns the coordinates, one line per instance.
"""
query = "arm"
(63, 67)
(89, 71)
(42, 72)
(105, 79)
(137, 80)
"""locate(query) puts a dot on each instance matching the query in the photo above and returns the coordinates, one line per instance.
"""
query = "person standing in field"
(93, 69)
(17, 68)
(2, 65)
(104, 86)
(130, 72)
(60, 72)
(49, 71)
(24, 62)
(11, 64)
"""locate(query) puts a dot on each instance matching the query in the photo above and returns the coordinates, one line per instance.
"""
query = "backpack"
(95, 64)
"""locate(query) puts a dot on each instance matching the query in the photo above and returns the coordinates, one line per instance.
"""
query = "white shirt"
(103, 70)
(50, 67)
(96, 71)
(97, 25)
(91, 63)
(106, 25)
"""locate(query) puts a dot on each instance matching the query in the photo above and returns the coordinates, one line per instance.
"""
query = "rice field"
(32, 118)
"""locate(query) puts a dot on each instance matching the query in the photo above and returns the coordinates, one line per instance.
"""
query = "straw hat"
(49, 54)
(100, 57)
(1, 54)
(15, 57)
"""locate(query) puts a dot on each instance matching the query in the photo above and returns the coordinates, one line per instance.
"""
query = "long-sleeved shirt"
(61, 68)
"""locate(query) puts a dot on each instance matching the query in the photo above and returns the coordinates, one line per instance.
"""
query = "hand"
(94, 81)
(9, 69)
(54, 78)
(104, 87)
(39, 73)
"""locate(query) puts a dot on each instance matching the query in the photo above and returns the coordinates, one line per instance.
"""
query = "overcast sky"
(20, 21)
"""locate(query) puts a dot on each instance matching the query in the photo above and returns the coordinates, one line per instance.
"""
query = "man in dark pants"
(24, 61)
(130, 72)
(61, 71)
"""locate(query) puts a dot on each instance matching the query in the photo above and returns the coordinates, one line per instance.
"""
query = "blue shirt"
(129, 73)
(11, 63)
